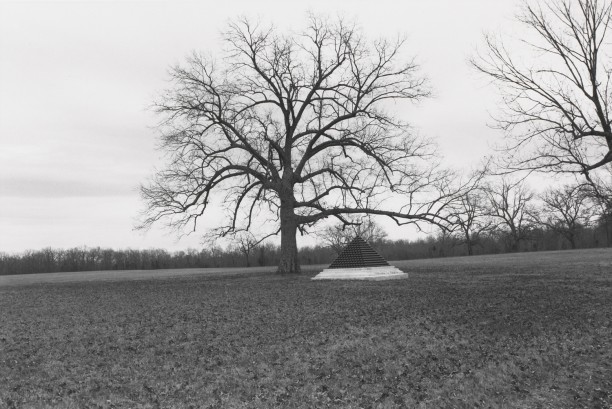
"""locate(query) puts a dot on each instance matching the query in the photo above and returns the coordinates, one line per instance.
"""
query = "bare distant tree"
(339, 235)
(556, 87)
(599, 191)
(566, 210)
(246, 242)
(471, 219)
(510, 203)
(295, 127)
(443, 241)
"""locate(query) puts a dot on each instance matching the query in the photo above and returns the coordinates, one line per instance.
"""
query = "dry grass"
(527, 330)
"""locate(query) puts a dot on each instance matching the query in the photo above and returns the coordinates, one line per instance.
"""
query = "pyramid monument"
(359, 261)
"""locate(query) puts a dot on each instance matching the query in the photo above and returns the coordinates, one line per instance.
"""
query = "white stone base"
(363, 273)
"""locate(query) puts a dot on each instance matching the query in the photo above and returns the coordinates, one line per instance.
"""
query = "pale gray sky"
(76, 78)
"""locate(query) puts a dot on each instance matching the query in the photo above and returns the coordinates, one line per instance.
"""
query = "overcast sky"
(77, 77)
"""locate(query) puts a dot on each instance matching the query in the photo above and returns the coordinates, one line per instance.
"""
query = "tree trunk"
(468, 242)
(288, 263)
(608, 230)
(572, 240)
(514, 245)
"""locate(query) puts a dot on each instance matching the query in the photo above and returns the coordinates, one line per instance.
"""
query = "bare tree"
(510, 204)
(246, 242)
(599, 190)
(566, 210)
(339, 235)
(295, 128)
(471, 219)
(556, 87)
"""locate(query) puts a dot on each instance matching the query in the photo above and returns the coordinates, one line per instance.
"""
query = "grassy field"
(526, 330)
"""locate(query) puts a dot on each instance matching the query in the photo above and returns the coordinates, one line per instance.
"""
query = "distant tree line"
(497, 216)
(536, 237)
(50, 260)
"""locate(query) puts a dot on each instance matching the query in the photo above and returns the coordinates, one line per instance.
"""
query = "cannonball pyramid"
(359, 261)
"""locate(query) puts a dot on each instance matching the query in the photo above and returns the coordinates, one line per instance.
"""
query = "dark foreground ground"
(527, 330)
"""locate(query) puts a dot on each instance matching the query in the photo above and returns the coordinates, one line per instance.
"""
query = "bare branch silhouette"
(556, 91)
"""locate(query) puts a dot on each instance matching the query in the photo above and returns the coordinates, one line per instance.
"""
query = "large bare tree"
(555, 86)
(295, 127)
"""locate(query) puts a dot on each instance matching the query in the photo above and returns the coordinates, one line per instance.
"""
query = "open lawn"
(525, 330)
